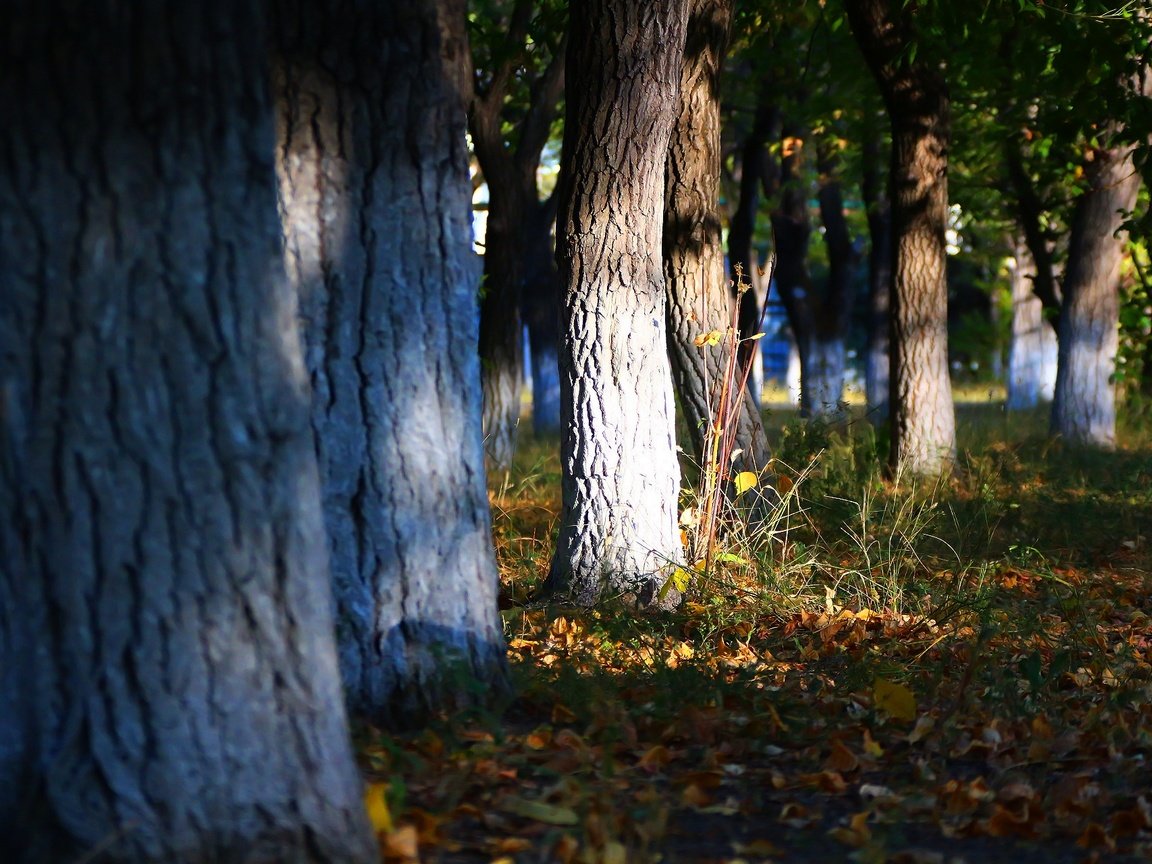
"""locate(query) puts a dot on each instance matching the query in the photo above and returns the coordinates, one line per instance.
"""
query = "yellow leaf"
(895, 699)
(377, 807)
(730, 558)
(710, 338)
(745, 480)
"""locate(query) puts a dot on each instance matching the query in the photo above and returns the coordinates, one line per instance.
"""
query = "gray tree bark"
(620, 476)
(915, 93)
(1084, 406)
(171, 690)
(699, 299)
(1032, 350)
(374, 194)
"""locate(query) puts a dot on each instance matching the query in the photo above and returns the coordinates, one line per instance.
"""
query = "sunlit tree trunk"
(375, 199)
(1084, 406)
(914, 91)
(1032, 349)
(620, 476)
(169, 689)
(699, 299)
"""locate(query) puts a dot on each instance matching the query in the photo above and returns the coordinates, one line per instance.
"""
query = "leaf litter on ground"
(1010, 724)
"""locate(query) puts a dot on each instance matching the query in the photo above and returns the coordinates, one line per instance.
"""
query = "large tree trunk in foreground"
(699, 300)
(924, 419)
(620, 476)
(1032, 349)
(171, 690)
(1084, 407)
(375, 196)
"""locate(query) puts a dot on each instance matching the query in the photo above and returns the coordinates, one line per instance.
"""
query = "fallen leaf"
(894, 699)
(539, 811)
(376, 804)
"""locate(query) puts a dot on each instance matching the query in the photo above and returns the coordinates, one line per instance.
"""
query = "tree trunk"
(699, 300)
(166, 612)
(742, 258)
(791, 233)
(879, 207)
(375, 199)
(620, 476)
(1084, 407)
(914, 91)
(541, 304)
(1032, 350)
(510, 172)
(501, 343)
(1029, 214)
(829, 344)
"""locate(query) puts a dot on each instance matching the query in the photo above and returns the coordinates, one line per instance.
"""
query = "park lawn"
(899, 673)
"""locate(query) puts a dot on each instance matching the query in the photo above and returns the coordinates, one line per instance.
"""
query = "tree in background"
(699, 298)
(375, 197)
(518, 79)
(620, 476)
(169, 688)
(1084, 406)
(914, 91)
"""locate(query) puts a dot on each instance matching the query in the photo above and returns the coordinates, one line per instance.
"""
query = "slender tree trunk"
(875, 192)
(375, 199)
(742, 258)
(510, 172)
(699, 300)
(620, 476)
(791, 233)
(542, 314)
(1084, 407)
(163, 585)
(924, 420)
(828, 349)
(501, 342)
(1029, 215)
(1032, 350)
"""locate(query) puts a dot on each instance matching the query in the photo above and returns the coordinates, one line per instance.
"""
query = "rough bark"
(375, 200)
(875, 192)
(916, 96)
(161, 533)
(620, 476)
(1084, 406)
(1032, 350)
(510, 172)
(699, 299)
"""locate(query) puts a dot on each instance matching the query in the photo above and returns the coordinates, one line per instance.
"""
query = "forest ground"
(886, 673)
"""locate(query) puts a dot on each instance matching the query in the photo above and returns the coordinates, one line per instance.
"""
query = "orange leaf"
(841, 759)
